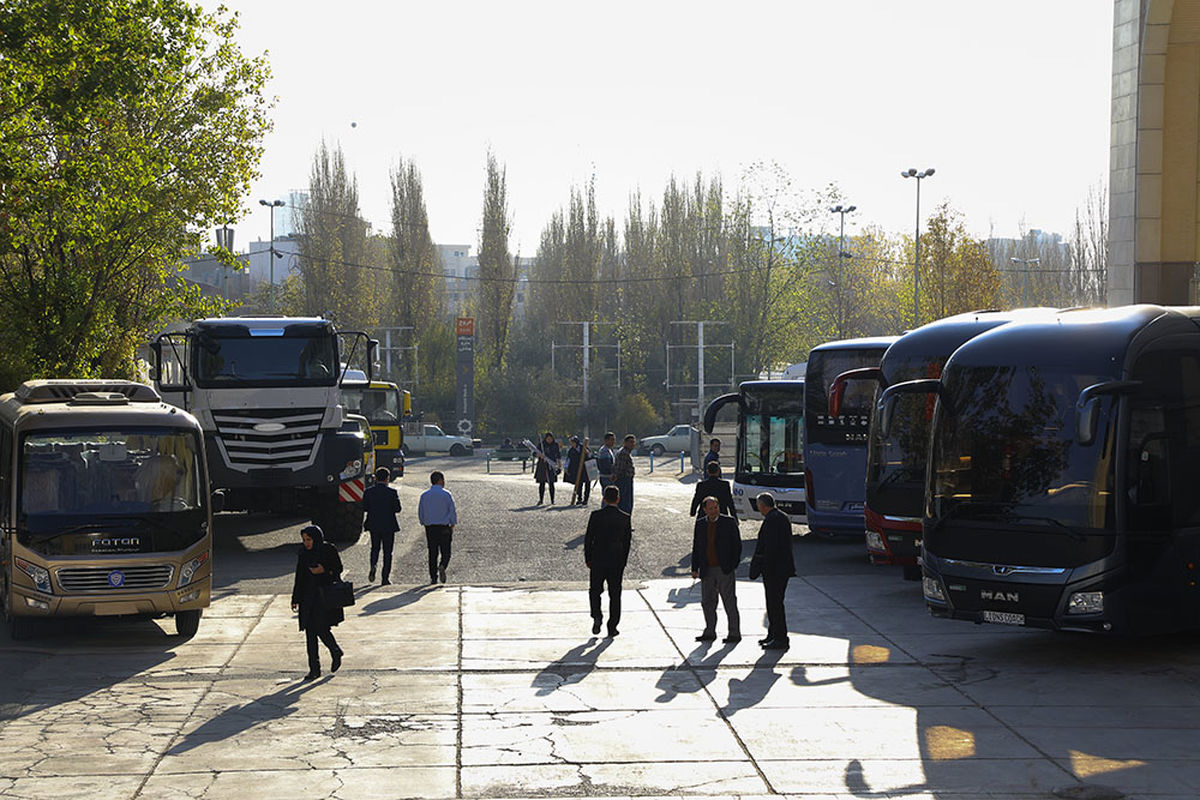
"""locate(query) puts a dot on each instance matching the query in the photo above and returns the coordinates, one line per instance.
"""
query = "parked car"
(674, 440)
(426, 438)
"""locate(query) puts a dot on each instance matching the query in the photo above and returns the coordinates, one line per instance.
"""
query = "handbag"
(337, 594)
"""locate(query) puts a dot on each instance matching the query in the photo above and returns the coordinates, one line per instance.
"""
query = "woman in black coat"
(318, 565)
(546, 473)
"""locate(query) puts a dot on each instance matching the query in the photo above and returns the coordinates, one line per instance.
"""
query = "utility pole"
(587, 347)
(273, 204)
(700, 348)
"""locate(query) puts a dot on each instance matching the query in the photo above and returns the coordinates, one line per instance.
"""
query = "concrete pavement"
(502, 692)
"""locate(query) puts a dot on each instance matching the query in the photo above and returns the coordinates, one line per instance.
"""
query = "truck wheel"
(187, 623)
(457, 450)
(341, 522)
(658, 450)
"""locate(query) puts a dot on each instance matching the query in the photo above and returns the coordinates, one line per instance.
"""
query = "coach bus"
(769, 455)
(835, 445)
(1062, 463)
(105, 505)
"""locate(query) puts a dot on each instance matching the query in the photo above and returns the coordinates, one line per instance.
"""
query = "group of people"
(614, 467)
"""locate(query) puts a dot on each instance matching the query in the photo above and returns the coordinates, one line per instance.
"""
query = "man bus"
(835, 445)
(1062, 459)
(105, 505)
(769, 455)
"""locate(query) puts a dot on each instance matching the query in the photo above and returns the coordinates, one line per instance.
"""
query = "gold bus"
(104, 505)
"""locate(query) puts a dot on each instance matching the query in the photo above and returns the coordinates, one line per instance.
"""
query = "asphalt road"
(504, 537)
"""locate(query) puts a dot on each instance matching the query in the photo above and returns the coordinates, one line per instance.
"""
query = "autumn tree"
(416, 285)
(497, 270)
(957, 274)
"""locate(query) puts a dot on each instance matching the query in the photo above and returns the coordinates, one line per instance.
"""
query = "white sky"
(1008, 100)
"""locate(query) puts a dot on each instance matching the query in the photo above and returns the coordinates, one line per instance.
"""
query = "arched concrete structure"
(1154, 181)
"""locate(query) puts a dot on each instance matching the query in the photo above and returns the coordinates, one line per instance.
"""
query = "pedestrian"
(381, 503)
(714, 452)
(605, 552)
(546, 470)
(622, 473)
(773, 560)
(317, 565)
(716, 552)
(713, 485)
(436, 512)
(576, 473)
(605, 458)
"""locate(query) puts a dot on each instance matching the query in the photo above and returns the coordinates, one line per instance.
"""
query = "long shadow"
(750, 691)
(571, 667)
(683, 597)
(698, 671)
(237, 719)
(573, 544)
(399, 600)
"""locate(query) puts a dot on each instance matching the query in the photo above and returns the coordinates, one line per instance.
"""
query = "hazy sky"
(1008, 100)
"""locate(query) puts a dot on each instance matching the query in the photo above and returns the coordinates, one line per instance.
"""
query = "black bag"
(338, 594)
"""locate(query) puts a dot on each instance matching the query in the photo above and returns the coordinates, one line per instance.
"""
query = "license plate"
(1003, 618)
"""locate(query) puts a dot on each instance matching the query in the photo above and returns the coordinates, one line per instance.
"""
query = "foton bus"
(1062, 469)
(105, 505)
(770, 445)
(835, 445)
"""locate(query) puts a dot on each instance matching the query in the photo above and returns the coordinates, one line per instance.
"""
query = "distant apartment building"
(461, 270)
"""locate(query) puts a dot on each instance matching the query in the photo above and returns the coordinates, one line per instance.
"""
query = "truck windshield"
(379, 406)
(264, 361)
(772, 435)
(1007, 451)
(79, 484)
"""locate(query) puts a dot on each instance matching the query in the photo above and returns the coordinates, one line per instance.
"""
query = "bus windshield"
(262, 361)
(772, 438)
(99, 479)
(896, 465)
(379, 405)
(1006, 450)
(851, 424)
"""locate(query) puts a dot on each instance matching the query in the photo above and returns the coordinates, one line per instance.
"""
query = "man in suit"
(773, 560)
(714, 486)
(716, 551)
(382, 504)
(714, 452)
(606, 551)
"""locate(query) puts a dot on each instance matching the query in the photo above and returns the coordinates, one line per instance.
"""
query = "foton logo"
(114, 543)
(1005, 597)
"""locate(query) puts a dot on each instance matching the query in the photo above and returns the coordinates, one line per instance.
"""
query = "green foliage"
(636, 415)
(415, 292)
(127, 127)
(497, 270)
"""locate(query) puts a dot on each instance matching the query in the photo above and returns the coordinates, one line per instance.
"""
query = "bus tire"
(187, 623)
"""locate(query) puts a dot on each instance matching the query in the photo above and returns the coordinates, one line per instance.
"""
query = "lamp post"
(1025, 282)
(842, 211)
(912, 173)
(273, 204)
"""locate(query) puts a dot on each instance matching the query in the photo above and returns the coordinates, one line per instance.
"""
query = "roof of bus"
(855, 344)
(942, 337)
(74, 414)
(791, 383)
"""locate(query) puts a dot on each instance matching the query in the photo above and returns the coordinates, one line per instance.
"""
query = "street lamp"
(273, 204)
(1025, 282)
(842, 211)
(838, 209)
(912, 173)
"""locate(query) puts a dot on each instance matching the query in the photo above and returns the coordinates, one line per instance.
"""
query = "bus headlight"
(189, 569)
(1086, 603)
(875, 541)
(39, 575)
(933, 589)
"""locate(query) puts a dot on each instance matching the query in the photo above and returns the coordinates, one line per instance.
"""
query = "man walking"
(606, 551)
(716, 551)
(713, 454)
(623, 472)
(773, 560)
(605, 458)
(714, 486)
(437, 513)
(382, 504)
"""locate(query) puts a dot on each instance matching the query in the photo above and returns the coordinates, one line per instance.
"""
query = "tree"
(957, 274)
(497, 270)
(417, 288)
(127, 128)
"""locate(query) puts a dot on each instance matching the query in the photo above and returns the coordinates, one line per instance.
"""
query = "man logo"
(1005, 597)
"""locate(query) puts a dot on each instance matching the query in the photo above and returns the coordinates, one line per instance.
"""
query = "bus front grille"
(107, 579)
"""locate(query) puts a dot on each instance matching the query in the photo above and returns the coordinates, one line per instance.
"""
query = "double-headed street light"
(912, 173)
(838, 209)
(272, 204)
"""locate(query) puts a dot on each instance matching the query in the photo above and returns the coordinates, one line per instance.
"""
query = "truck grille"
(290, 447)
(109, 579)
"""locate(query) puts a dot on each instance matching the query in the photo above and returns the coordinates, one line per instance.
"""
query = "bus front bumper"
(28, 602)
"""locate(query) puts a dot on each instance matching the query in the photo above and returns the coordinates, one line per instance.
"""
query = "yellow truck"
(385, 405)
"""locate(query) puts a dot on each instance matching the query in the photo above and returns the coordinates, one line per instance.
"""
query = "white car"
(673, 441)
(425, 438)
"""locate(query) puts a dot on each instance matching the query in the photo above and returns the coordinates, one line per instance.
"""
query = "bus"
(769, 456)
(835, 445)
(104, 497)
(895, 471)
(1062, 459)
(385, 406)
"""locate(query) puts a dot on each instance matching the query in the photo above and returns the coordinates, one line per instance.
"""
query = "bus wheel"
(912, 572)
(187, 623)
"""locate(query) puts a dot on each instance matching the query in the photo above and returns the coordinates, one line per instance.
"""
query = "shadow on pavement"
(572, 667)
(399, 600)
(700, 665)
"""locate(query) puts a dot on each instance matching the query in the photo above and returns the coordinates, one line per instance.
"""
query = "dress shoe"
(384, 582)
(612, 632)
(731, 640)
(763, 641)
(776, 644)
(596, 627)
(442, 574)
(371, 575)
(313, 675)
(337, 661)
(706, 637)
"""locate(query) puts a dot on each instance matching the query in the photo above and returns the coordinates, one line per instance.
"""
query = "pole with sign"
(464, 328)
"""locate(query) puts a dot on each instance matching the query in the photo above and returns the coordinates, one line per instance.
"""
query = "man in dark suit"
(606, 551)
(716, 551)
(773, 560)
(382, 504)
(714, 486)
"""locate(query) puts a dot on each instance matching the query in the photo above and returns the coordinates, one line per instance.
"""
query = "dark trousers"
(326, 636)
(438, 538)
(713, 584)
(613, 578)
(542, 490)
(626, 501)
(385, 542)
(583, 492)
(775, 586)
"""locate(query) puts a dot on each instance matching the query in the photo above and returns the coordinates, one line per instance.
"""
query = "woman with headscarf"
(318, 565)
(546, 471)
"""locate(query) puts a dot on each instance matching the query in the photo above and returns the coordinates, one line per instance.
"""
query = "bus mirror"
(710, 413)
(1085, 422)
(885, 410)
(837, 389)
(1087, 407)
(886, 406)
